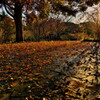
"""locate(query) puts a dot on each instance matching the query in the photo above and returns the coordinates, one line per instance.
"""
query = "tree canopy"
(42, 9)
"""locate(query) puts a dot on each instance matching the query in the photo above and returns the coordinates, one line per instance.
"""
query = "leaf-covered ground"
(29, 71)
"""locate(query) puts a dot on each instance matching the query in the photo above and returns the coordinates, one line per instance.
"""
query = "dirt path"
(80, 73)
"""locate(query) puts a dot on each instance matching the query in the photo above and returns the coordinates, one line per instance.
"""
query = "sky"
(89, 9)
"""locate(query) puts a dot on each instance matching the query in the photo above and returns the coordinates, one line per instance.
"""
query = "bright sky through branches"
(74, 19)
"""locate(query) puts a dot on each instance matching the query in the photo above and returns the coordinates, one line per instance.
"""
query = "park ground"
(55, 70)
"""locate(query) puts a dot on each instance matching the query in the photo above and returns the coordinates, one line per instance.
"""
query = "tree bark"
(18, 22)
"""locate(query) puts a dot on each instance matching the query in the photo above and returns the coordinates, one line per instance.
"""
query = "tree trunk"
(18, 22)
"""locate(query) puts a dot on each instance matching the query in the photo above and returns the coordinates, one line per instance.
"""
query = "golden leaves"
(27, 64)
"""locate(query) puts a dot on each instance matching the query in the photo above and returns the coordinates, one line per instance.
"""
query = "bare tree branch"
(8, 11)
